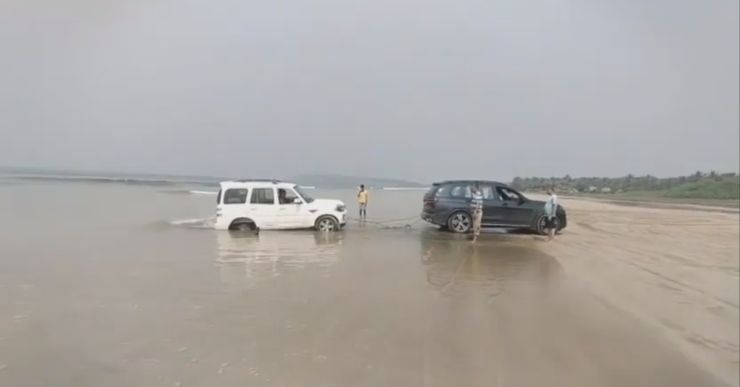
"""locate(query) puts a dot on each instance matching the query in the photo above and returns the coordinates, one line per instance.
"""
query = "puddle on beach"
(247, 257)
(495, 263)
(451, 262)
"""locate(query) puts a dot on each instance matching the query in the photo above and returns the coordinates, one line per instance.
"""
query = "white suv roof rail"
(256, 182)
(273, 181)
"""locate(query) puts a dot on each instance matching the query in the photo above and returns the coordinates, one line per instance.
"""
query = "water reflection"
(492, 266)
(245, 256)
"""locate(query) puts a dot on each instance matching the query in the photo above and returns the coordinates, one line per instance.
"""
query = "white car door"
(263, 208)
(306, 214)
(287, 213)
(291, 209)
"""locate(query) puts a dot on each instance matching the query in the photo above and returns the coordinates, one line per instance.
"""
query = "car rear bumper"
(433, 218)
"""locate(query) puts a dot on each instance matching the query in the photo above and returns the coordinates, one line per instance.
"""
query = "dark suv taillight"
(430, 198)
(430, 202)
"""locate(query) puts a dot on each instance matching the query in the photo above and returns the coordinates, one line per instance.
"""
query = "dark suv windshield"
(303, 194)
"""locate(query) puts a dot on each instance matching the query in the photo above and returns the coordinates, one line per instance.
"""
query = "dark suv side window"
(263, 196)
(235, 196)
(487, 191)
(461, 191)
(444, 191)
(507, 195)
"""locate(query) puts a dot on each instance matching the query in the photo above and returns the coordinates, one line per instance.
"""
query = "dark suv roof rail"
(468, 182)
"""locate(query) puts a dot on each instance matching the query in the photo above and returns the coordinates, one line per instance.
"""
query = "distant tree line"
(618, 184)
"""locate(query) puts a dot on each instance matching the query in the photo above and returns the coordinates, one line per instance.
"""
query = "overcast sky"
(418, 89)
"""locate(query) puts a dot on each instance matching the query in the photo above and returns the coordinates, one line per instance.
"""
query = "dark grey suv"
(447, 204)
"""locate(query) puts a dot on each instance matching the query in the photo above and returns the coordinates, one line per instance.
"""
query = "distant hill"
(712, 185)
(725, 188)
(341, 181)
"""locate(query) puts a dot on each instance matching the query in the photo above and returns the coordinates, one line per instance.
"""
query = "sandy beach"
(674, 269)
(116, 285)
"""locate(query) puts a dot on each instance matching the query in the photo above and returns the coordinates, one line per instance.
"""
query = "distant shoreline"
(163, 181)
(314, 181)
(725, 206)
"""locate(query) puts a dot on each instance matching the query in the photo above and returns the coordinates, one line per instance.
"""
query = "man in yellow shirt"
(362, 201)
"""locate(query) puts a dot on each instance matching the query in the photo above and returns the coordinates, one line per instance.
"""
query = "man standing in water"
(551, 210)
(476, 204)
(362, 201)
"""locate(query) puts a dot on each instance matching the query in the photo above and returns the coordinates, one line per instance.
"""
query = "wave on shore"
(196, 192)
(112, 180)
(405, 188)
(156, 182)
(199, 223)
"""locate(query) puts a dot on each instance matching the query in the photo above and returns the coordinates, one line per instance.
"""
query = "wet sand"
(626, 297)
(675, 269)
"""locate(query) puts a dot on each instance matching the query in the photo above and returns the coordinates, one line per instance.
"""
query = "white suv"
(273, 205)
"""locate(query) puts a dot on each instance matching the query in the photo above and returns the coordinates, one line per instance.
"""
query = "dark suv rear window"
(455, 191)
(461, 191)
(235, 196)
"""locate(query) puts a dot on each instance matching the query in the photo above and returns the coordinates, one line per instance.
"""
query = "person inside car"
(284, 198)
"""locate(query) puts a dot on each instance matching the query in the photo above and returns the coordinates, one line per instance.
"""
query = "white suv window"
(235, 196)
(263, 196)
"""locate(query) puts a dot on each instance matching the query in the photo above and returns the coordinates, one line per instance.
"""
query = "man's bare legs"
(477, 219)
(551, 231)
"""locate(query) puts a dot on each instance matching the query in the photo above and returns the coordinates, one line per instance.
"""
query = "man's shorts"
(363, 206)
(550, 223)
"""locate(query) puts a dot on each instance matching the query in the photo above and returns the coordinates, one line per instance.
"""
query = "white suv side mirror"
(297, 201)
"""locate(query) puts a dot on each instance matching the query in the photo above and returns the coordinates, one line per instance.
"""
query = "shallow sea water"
(125, 285)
